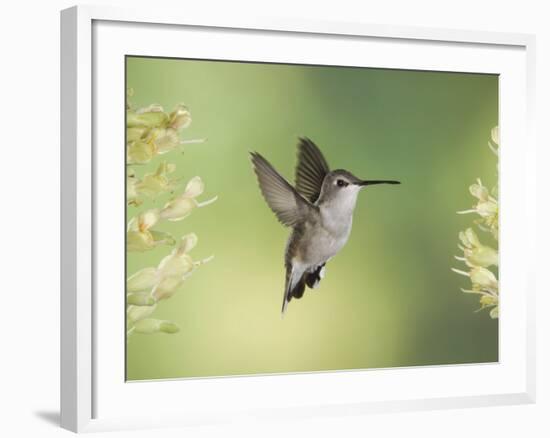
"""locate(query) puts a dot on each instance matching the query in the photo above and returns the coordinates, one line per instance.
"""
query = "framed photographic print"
(310, 218)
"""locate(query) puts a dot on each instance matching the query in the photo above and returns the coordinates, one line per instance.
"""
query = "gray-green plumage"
(319, 210)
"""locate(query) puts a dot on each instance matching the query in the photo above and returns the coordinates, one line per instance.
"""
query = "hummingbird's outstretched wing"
(288, 205)
(310, 170)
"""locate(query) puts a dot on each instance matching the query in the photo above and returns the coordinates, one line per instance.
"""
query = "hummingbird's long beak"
(369, 182)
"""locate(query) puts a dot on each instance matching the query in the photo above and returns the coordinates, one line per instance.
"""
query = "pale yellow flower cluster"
(150, 285)
(486, 207)
(140, 235)
(151, 132)
(477, 256)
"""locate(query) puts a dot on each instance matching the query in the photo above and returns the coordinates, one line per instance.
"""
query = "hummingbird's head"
(342, 187)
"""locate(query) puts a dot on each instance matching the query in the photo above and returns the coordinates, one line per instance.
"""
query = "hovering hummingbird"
(319, 210)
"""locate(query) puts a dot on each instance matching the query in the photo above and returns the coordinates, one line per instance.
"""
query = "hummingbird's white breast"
(325, 243)
(324, 239)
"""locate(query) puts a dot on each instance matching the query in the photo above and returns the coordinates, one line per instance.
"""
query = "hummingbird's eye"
(341, 183)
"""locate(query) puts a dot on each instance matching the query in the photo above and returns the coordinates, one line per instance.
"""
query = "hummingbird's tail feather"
(298, 291)
(287, 297)
(295, 285)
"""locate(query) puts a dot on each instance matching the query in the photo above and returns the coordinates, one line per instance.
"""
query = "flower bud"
(180, 118)
(178, 209)
(165, 140)
(135, 313)
(483, 256)
(483, 278)
(140, 152)
(495, 137)
(187, 243)
(167, 287)
(488, 300)
(139, 241)
(175, 265)
(150, 117)
(140, 299)
(143, 280)
(194, 187)
(479, 191)
(149, 325)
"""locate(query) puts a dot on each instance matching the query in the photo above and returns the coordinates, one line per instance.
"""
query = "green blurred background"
(389, 298)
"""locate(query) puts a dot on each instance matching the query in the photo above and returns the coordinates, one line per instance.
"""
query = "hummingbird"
(319, 209)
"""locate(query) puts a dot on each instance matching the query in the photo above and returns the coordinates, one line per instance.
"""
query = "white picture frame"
(93, 396)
